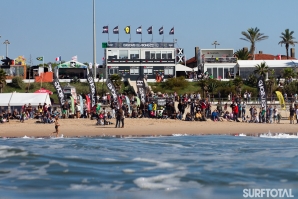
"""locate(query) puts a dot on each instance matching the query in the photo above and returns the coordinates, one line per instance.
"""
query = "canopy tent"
(72, 64)
(5, 98)
(19, 99)
(180, 67)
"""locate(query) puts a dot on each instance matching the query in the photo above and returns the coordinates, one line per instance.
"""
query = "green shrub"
(17, 82)
(178, 82)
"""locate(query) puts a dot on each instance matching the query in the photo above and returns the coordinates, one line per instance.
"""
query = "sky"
(52, 28)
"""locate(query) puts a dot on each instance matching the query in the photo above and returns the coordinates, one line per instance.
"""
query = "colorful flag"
(281, 99)
(127, 29)
(171, 31)
(58, 58)
(116, 30)
(161, 31)
(139, 30)
(74, 58)
(149, 30)
(105, 29)
(39, 58)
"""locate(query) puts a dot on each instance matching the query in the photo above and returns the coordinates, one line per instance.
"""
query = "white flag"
(90, 65)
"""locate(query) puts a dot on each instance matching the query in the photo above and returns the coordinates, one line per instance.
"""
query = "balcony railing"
(220, 60)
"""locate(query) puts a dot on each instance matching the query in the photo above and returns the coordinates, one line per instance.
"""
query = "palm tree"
(2, 79)
(287, 39)
(253, 35)
(262, 69)
(242, 54)
(288, 72)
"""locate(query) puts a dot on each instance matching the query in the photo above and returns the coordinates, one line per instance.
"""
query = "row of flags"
(74, 58)
(105, 29)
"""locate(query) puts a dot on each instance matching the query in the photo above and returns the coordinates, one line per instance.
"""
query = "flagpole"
(118, 35)
(129, 34)
(152, 35)
(162, 35)
(174, 36)
(141, 34)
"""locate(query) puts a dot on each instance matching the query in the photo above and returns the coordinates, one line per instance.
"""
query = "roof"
(270, 63)
(257, 57)
(271, 57)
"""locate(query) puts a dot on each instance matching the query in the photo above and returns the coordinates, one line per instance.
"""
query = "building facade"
(134, 59)
(220, 63)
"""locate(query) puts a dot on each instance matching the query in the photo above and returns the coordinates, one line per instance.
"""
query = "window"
(152, 55)
(123, 54)
(134, 54)
(214, 73)
(170, 55)
(164, 55)
(226, 73)
(134, 71)
(148, 71)
(158, 55)
(113, 71)
(112, 54)
(220, 73)
(147, 54)
(169, 71)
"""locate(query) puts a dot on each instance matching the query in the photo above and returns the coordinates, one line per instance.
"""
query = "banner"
(58, 88)
(88, 103)
(72, 108)
(114, 92)
(92, 87)
(262, 92)
(281, 99)
(81, 104)
(141, 89)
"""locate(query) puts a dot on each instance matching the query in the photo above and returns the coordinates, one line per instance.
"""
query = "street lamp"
(6, 42)
(215, 44)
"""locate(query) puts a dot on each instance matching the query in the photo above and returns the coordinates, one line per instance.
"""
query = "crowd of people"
(191, 107)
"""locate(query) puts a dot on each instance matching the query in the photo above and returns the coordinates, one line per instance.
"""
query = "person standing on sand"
(56, 126)
(119, 114)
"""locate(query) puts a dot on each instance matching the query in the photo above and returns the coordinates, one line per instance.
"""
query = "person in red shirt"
(235, 112)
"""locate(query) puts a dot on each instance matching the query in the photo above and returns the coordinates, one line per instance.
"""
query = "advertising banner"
(114, 92)
(262, 92)
(59, 89)
(141, 89)
(92, 87)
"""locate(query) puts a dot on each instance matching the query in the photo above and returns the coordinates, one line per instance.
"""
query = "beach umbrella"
(42, 90)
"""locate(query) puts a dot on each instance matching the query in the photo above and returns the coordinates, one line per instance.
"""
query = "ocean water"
(178, 166)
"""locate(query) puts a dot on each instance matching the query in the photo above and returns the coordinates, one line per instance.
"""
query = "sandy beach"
(141, 127)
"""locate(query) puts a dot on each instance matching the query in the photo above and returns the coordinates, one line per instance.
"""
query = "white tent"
(180, 67)
(5, 98)
(19, 99)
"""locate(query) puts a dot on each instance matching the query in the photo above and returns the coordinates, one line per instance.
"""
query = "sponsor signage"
(140, 45)
(141, 89)
(59, 90)
(92, 88)
(262, 92)
(161, 102)
(149, 61)
(113, 91)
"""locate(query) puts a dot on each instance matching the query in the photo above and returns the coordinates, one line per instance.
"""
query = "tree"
(2, 79)
(288, 72)
(253, 35)
(242, 54)
(287, 39)
(262, 69)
